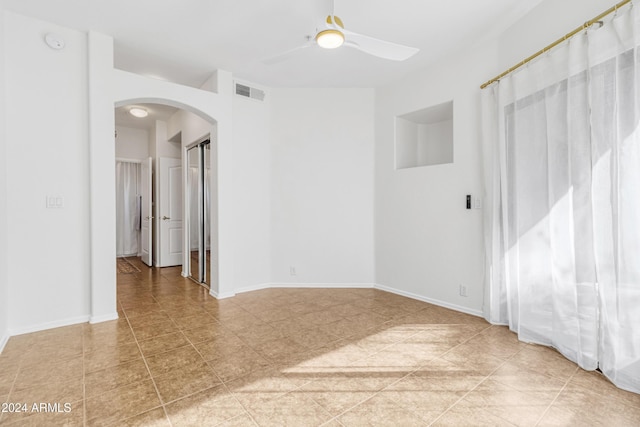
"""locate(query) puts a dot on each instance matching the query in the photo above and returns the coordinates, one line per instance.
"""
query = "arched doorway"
(129, 89)
(168, 198)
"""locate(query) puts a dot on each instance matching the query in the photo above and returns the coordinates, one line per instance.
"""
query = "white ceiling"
(184, 41)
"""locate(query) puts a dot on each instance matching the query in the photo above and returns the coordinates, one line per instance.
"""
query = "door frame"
(147, 206)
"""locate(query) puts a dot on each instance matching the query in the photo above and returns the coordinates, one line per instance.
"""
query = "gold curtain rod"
(557, 42)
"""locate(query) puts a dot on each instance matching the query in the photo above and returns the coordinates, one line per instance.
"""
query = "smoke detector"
(54, 41)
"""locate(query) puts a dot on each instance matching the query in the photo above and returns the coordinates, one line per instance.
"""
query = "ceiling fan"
(332, 35)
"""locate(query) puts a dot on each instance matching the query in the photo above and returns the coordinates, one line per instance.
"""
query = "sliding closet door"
(193, 185)
(199, 207)
(206, 212)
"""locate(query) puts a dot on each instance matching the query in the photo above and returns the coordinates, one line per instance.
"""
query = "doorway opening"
(158, 143)
(128, 207)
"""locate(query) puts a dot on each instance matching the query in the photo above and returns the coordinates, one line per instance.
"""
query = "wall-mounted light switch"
(477, 203)
(55, 202)
(468, 201)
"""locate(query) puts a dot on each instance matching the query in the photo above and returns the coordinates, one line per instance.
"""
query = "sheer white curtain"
(561, 143)
(127, 208)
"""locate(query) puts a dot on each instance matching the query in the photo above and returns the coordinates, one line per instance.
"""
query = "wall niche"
(425, 137)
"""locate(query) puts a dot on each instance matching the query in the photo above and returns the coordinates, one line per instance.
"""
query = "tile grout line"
(240, 403)
(382, 389)
(144, 359)
(209, 366)
(415, 368)
(335, 418)
(224, 384)
(202, 357)
(451, 349)
(476, 386)
(411, 372)
(557, 395)
(13, 385)
(282, 395)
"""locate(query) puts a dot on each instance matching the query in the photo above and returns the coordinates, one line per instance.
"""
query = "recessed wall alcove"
(424, 137)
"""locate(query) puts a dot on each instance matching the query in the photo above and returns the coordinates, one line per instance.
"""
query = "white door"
(147, 218)
(170, 212)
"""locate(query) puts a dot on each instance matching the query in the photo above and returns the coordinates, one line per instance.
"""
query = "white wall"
(132, 143)
(427, 243)
(191, 126)
(163, 147)
(320, 179)
(406, 140)
(434, 143)
(47, 155)
(4, 284)
(322, 186)
(544, 24)
(252, 189)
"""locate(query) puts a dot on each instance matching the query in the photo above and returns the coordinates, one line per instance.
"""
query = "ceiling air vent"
(249, 92)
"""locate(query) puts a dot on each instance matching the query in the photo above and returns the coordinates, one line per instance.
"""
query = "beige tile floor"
(294, 357)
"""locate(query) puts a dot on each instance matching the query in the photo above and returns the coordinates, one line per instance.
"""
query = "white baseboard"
(261, 286)
(3, 342)
(104, 318)
(444, 304)
(307, 286)
(324, 285)
(439, 303)
(49, 325)
(216, 295)
(184, 274)
(254, 288)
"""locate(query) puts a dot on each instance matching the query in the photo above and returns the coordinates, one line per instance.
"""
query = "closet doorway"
(198, 202)
(128, 207)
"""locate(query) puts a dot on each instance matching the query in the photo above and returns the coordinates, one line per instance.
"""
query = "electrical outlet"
(292, 271)
(463, 291)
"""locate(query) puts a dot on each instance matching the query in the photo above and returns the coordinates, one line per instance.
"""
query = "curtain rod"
(557, 42)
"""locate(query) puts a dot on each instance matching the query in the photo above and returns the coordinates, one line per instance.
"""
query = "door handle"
(148, 217)
(165, 218)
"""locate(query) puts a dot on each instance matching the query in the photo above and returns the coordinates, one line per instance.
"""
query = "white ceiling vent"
(249, 92)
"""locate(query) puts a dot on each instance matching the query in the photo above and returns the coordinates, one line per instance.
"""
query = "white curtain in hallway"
(561, 143)
(127, 208)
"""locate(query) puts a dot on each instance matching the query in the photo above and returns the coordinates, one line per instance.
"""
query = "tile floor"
(294, 357)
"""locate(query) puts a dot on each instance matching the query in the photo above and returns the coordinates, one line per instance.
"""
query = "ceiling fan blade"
(288, 54)
(379, 48)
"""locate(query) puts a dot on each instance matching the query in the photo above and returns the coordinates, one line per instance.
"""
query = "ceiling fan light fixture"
(138, 112)
(330, 39)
